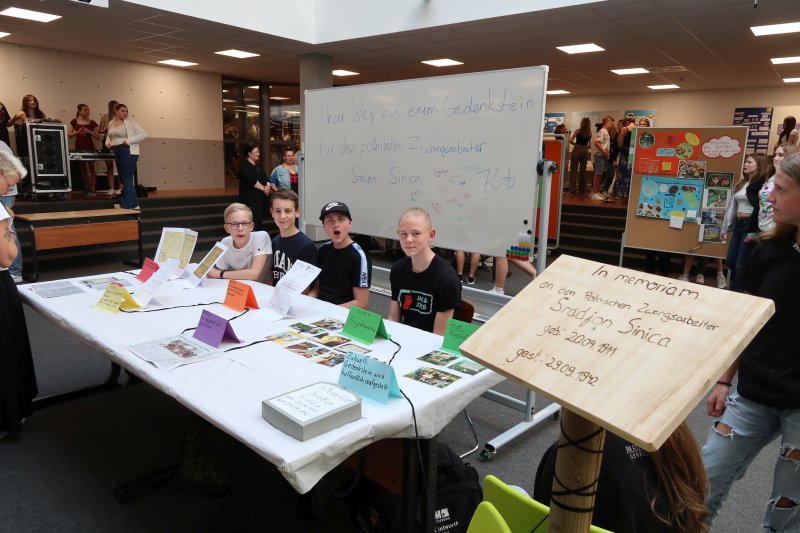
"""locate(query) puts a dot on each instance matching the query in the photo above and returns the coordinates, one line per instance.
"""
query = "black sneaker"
(470, 280)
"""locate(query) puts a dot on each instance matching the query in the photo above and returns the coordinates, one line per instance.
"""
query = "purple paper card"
(212, 328)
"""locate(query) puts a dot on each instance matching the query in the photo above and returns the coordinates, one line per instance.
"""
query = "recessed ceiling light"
(775, 29)
(442, 62)
(663, 87)
(228, 100)
(791, 80)
(628, 71)
(558, 91)
(340, 72)
(177, 63)
(252, 86)
(237, 53)
(252, 105)
(278, 98)
(4, 34)
(27, 14)
(785, 60)
(581, 48)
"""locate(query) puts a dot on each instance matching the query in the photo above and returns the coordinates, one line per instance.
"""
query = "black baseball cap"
(334, 207)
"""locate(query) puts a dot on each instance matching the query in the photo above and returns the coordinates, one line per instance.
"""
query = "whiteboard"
(463, 147)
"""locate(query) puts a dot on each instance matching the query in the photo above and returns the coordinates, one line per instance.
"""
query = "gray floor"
(59, 473)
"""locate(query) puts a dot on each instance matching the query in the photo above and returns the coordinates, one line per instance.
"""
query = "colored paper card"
(456, 333)
(239, 296)
(369, 377)
(148, 269)
(364, 326)
(114, 298)
(197, 274)
(212, 329)
(145, 293)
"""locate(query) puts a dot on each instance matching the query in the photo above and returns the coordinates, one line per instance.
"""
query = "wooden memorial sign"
(631, 352)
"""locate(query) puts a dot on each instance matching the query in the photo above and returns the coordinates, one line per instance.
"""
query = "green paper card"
(364, 326)
(456, 333)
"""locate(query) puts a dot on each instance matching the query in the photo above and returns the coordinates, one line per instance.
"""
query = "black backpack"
(458, 492)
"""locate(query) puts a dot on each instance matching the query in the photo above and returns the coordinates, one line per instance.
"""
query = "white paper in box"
(313, 410)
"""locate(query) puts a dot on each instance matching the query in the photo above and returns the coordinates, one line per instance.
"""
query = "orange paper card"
(148, 269)
(239, 296)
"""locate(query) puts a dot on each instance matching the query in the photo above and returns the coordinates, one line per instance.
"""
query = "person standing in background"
(602, 145)
(4, 118)
(84, 130)
(30, 110)
(7, 201)
(113, 183)
(789, 133)
(253, 184)
(580, 156)
(765, 222)
(124, 136)
(287, 174)
(17, 376)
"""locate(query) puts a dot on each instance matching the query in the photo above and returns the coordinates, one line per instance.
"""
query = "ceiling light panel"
(663, 87)
(26, 14)
(237, 54)
(177, 63)
(629, 71)
(442, 62)
(775, 29)
(557, 91)
(791, 80)
(581, 48)
(340, 72)
(785, 60)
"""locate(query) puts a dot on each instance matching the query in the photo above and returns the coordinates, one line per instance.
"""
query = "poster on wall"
(758, 121)
(643, 118)
(667, 197)
(595, 117)
(551, 120)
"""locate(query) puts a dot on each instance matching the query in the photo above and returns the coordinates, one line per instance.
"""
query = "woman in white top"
(124, 136)
(741, 217)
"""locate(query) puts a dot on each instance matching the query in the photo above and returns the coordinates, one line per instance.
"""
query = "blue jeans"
(727, 457)
(16, 267)
(126, 166)
(738, 253)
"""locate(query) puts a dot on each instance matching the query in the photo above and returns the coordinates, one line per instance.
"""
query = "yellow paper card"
(666, 165)
(128, 302)
(111, 299)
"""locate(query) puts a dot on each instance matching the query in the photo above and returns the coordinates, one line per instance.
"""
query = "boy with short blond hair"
(248, 251)
(426, 291)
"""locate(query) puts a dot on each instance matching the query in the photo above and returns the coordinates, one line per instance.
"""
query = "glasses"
(238, 225)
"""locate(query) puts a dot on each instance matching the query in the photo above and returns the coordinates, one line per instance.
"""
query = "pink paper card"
(148, 269)
(211, 329)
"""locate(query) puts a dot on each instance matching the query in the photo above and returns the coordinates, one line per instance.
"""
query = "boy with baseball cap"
(346, 269)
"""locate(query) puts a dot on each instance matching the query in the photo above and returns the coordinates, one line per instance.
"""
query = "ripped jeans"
(727, 457)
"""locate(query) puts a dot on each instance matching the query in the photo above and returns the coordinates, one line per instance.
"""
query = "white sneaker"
(117, 206)
(597, 196)
(722, 282)
(498, 290)
(683, 277)
(700, 279)
(17, 279)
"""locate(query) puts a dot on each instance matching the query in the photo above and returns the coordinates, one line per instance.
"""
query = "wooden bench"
(65, 229)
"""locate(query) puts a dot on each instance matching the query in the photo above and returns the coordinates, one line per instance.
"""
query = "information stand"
(682, 180)
(617, 347)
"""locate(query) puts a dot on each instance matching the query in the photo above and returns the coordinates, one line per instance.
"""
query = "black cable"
(537, 526)
(245, 346)
(165, 308)
(431, 503)
(395, 353)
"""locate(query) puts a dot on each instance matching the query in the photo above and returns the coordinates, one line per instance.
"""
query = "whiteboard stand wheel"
(488, 452)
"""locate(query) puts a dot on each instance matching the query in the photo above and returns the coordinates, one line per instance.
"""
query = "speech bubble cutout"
(724, 147)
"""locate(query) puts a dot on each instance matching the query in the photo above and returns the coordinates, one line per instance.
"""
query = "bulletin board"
(681, 183)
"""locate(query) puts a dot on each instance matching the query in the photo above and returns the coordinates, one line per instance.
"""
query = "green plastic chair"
(519, 511)
(487, 520)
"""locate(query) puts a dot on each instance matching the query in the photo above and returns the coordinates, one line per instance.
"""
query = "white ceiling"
(710, 38)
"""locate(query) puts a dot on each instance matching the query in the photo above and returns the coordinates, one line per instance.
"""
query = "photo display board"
(463, 147)
(681, 183)
(630, 351)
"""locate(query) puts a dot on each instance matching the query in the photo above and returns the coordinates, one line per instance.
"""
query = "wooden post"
(577, 469)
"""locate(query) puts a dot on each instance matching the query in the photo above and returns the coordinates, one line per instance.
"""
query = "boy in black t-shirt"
(426, 291)
(346, 269)
(291, 244)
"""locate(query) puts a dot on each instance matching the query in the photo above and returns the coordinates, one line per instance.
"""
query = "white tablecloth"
(228, 391)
